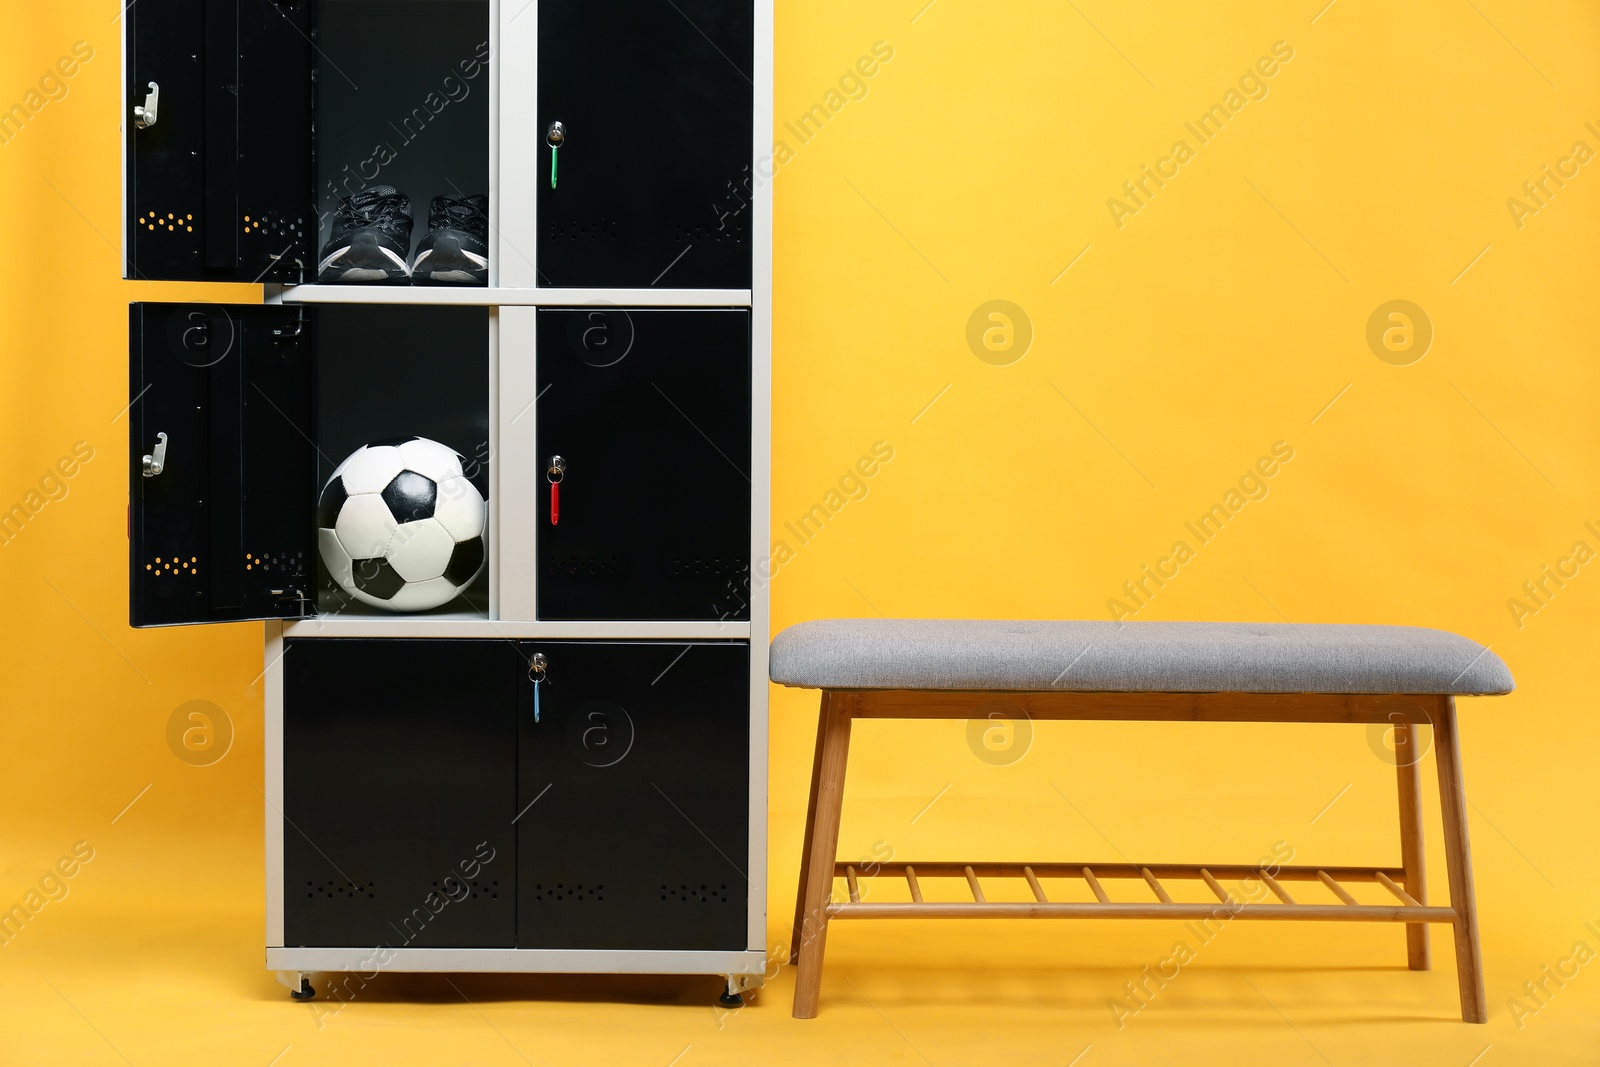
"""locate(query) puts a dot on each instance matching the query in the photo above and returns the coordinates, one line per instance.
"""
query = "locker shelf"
(498, 296)
(462, 624)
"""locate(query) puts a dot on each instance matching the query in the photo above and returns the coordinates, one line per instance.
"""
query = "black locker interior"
(402, 100)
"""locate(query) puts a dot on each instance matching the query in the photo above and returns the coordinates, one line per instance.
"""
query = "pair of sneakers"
(371, 241)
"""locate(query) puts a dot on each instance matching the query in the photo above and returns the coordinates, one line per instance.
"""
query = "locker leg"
(737, 984)
(299, 984)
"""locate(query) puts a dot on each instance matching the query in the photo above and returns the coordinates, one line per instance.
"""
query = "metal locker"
(633, 796)
(649, 414)
(646, 110)
(399, 775)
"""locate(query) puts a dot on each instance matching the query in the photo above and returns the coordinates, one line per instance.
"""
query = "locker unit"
(564, 768)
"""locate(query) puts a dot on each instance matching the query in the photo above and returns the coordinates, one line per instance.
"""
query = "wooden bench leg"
(1409, 769)
(797, 931)
(820, 850)
(1458, 864)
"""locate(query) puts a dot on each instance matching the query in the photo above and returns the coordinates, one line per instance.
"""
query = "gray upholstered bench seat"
(1132, 657)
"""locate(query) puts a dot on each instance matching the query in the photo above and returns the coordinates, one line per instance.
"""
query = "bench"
(1405, 677)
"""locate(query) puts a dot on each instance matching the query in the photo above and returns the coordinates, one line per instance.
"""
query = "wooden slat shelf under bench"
(1407, 909)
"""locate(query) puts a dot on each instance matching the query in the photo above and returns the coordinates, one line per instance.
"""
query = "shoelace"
(462, 214)
(386, 212)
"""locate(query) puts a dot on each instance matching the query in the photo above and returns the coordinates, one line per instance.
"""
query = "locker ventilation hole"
(274, 224)
(479, 890)
(733, 565)
(730, 229)
(174, 567)
(573, 230)
(568, 893)
(332, 890)
(594, 565)
(702, 894)
(289, 564)
(171, 222)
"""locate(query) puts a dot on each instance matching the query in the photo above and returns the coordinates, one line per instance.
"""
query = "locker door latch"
(144, 115)
(156, 462)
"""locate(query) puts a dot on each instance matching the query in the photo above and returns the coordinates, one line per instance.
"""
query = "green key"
(555, 136)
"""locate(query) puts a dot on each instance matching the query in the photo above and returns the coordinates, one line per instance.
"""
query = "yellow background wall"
(1168, 353)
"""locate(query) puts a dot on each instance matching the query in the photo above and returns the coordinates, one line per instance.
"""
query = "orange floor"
(154, 957)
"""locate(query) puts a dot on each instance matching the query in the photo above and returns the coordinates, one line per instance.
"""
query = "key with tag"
(555, 137)
(538, 667)
(555, 472)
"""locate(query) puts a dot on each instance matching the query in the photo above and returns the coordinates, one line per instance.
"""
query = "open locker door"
(218, 130)
(223, 486)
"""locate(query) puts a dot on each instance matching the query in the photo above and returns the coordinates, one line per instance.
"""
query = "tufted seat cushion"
(1133, 657)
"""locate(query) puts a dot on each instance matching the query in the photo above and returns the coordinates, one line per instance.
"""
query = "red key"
(555, 503)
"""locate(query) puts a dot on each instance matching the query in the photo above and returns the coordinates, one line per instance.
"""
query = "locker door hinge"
(286, 333)
(294, 596)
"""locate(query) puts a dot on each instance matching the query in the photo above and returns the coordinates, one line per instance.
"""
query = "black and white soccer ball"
(400, 526)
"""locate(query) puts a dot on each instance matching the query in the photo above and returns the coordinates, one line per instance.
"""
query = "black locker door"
(219, 184)
(653, 178)
(399, 772)
(650, 413)
(221, 395)
(633, 793)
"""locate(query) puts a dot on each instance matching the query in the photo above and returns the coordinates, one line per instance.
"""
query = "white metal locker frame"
(513, 297)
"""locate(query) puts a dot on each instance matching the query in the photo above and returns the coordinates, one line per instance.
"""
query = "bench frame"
(816, 906)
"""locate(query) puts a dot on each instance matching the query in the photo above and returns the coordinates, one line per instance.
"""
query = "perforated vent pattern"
(710, 565)
(574, 230)
(341, 890)
(174, 566)
(562, 893)
(172, 221)
(703, 894)
(729, 229)
(274, 224)
(583, 565)
(479, 890)
(290, 564)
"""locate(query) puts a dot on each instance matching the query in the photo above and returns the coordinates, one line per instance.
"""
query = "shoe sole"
(363, 260)
(447, 263)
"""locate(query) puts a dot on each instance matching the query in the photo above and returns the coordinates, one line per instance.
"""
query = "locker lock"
(556, 471)
(555, 136)
(538, 666)
(144, 115)
(156, 462)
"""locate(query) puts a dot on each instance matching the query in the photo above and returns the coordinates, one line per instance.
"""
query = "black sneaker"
(371, 238)
(455, 250)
